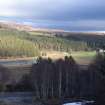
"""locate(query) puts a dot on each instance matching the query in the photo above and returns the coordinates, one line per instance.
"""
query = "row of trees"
(64, 79)
(58, 44)
(53, 79)
(93, 40)
(61, 79)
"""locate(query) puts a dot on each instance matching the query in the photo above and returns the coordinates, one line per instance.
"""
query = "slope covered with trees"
(93, 40)
(21, 43)
(12, 46)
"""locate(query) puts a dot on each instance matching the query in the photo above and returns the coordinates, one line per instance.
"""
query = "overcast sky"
(65, 14)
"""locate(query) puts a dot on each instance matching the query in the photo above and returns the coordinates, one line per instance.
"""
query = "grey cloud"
(65, 14)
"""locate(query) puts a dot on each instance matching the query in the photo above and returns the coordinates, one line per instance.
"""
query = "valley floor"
(82, 58)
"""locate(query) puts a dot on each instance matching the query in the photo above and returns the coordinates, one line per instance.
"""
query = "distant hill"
(18, 40)
(28, 28)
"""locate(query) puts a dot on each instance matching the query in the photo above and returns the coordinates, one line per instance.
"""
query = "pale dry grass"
(82, 58)
(55, 55)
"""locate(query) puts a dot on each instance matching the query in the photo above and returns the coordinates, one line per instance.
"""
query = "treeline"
(57, 44)
(61, 79)
(93, 40)
(15, 47)
(64, 79)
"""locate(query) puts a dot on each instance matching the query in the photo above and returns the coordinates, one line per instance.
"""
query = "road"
(21, 98)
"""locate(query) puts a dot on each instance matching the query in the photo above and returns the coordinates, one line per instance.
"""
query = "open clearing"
(83, 58)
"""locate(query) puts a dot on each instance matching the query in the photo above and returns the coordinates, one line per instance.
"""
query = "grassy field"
(84, 57)
(81, 57)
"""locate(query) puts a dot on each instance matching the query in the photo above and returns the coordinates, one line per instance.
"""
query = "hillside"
(13, 46)
(23, 41)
